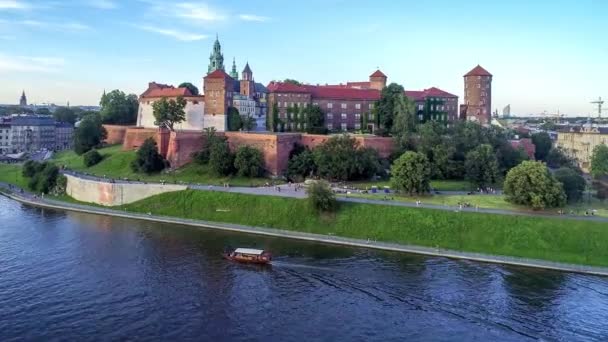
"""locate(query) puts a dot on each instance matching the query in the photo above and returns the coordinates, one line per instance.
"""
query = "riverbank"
(344, 231)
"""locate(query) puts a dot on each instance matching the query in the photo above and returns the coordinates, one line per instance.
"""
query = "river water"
(76, 277)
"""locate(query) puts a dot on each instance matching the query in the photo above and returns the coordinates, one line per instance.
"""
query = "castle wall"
(116, 134)
(135, 137)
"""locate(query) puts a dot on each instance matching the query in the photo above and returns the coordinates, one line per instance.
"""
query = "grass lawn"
(483, 201)
(117, 164)
(440, 185)
(579, 242)
(11, 173)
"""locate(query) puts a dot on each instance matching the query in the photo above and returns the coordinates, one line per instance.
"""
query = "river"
(71, 276)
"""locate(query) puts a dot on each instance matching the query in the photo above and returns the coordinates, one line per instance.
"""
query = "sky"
(544, 55)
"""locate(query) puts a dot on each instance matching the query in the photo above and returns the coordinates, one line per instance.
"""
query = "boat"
(249, 255)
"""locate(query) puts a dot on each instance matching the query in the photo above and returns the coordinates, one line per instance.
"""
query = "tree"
(573, 183)
(340, 158)
(42, 176)
(404, 116)
(221, 160)
(411, 173)
(273, 119)
(249, 162)
(509, 157)
(481, 166)
(384, 109)
(292, 81)
(315, 120)
(168, 113)
(193, 89)
(557, 158)
(89, 134)
(599, 161)
(91, 158)
(249, 123)
(235, 122)
(147, 159)
(118, 108)
(301, 165)
(531, 184)
(321, 198)
(543, 144)
(65, 114)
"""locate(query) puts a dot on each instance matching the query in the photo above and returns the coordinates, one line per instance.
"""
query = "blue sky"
(545, 55)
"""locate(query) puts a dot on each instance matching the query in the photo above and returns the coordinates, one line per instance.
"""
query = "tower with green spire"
(216, 59)
(233, 73)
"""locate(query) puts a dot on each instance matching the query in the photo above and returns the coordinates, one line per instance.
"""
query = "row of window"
(343, 126)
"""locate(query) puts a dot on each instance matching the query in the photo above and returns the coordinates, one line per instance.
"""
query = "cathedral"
(221, 91)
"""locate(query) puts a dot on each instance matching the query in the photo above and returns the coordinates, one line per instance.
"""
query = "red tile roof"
(283, 87)
(344, 93)
(478, 71)
(219, 73)
(164, 90)
(416, 95)
(433, 91)
(378, 73)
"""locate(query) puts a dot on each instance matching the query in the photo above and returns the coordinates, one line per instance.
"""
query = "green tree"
(235, 121)
(119, 108)
(89, 134)
(321, 198)
(221, 159)
(168, 113)
(249, 123)
(42, 176)
(147, 159)
(301, 165)
(384, 109)
(542, 142)
(292, 81)
(411, 173)
(193, 89)
(573, 183)
(273, 119)
(509, 157)
(557, 158)
(249, 162)
(531, 184)
(481, 166)
(599, 161)
(404, 114)
(315, 120)
(340, 158)
(91, 158)
(65, 114)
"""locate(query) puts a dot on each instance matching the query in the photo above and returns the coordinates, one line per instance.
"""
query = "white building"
(195, 106)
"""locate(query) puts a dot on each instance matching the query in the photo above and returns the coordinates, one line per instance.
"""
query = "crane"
(599, 102)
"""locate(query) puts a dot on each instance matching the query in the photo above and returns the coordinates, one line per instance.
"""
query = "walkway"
(328, 239)
(286, 190)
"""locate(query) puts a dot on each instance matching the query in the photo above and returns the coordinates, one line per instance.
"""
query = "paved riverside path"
(287, 190)
(27, 198)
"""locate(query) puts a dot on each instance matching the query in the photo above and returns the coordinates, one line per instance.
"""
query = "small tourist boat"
(249, 255)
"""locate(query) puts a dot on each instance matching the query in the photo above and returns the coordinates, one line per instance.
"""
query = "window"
(371, 106)
(357, 116)
(344, 106)
(343, 116)
(370, 116)
(330, 126)
(315, 104)
(343, 126)
(330, 116)
(357, 126)
(420, 107)
(357, 105)
(330, 105)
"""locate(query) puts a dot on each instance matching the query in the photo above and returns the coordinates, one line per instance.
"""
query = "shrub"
(147, 159)
(531, 184)
(249, 162)
(411, 173)
(572, 182)
(42, 176)
(89, 134)
(321, 198)
(91, 158)
(221, 160)
(300, 166)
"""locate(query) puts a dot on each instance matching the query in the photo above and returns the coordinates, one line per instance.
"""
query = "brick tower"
(247, 84)
(377, 80)
(478, 95)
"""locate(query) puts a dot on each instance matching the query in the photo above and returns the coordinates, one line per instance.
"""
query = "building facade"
(28, 133)
(579, 142)
(195, 106)
(5, 138)
(478, 95)
(350, 106)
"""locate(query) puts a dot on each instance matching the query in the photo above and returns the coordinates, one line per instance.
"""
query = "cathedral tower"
(23, 99)
(216, 59)
(247, 83)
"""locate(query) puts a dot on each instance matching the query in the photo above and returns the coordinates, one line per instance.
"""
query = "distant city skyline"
(545, 56)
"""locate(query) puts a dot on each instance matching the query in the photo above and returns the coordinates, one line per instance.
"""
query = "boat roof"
(249, 251)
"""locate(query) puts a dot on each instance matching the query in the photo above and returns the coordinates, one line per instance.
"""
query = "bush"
(572, 182)
(91, 158)
(531, 184)
(300, 166)
(42, 176)
(321, 198)
(147, 159)
(221, 160)
(249, 162)
(89, 134)
(340, 158)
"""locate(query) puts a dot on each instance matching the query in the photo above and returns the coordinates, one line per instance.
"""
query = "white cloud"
(68, 27)
(13, 5)
(252, 17)
(30, 64)
(194, 12)
(179, 35)
(102, 4)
